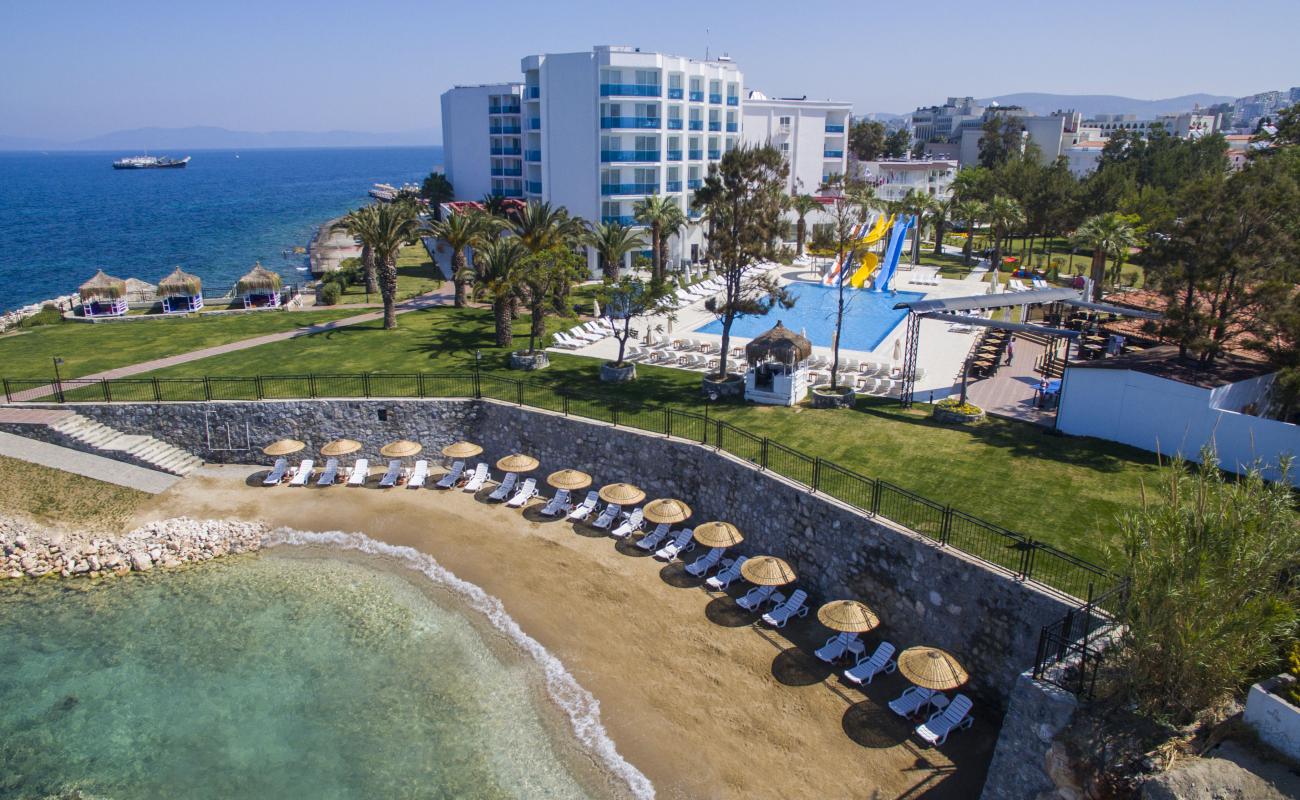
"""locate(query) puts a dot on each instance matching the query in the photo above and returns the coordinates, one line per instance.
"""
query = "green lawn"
(416, 275)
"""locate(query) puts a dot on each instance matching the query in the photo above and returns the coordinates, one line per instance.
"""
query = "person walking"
(1011, 350)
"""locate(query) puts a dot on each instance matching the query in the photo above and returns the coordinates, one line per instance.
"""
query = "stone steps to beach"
(98, 437)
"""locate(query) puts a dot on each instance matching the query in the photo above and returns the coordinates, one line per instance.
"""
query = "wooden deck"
(1010, 392)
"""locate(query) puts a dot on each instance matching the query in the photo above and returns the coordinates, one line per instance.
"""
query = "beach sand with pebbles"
(693, 694)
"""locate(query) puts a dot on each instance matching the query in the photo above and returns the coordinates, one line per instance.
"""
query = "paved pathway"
(1010, 392)
(87, 464)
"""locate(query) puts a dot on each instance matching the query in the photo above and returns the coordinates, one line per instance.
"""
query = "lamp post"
(58, 379)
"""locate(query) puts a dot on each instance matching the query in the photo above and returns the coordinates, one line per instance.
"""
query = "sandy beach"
(696, 696)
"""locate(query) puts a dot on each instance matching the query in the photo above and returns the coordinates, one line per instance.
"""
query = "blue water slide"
(895, 249)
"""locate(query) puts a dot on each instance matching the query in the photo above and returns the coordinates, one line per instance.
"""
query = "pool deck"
(941, 352)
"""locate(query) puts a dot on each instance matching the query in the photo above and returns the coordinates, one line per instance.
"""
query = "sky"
(76, 68)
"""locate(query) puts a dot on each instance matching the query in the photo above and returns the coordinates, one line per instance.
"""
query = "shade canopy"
(778, 344)
(180, 284)
(518, 462)
(931, 668)
(258, 279)
(400, 449)
(767, 571)
(718, 534)
(848, 616)
(570, 479)
(340, 447)
(103, 285)
(283, 447)
(624, 494)
(666, 510)
(461, 450)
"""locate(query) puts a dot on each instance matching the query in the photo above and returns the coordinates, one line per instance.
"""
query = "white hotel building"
(597, 131)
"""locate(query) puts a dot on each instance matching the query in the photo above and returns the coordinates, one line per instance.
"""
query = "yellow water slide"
(870, 261)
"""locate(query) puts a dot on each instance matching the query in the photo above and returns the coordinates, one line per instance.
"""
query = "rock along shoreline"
(28, 550)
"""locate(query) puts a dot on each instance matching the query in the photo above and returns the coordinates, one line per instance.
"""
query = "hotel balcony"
(696, 155)
(832, 154)
(733, 127)
(631, 90)
(674, 124)
(694, 183)
(696, 125)
(675, 94)
(697, 97)
(733, 100)
(506, 151)
(532, 155)
(639, 123)
(674, 155)
(534, 187)
(674, 186)
(533, 92)
(643, 156)
(714, 155)
(625, 219)
(511, 193)
(716, 99)
(534, 124)
(507, 130)
(607, 189)
(835, 129)
(694, 213)
(507, 172)
(715, 126)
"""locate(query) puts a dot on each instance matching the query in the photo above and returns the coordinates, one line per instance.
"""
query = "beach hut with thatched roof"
(260, 288)
(775, 376)
(103, 296)
(181, 292)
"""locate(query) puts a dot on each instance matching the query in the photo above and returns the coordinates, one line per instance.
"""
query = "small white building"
(1156, 401)
(894, 178)
(813, 135)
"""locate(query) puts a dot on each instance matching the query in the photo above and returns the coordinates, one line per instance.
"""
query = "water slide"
(869, 260)
(836, 273)
(892, 253)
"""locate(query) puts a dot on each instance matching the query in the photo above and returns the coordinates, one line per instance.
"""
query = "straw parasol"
(340, 447)
(461, 450)
(102, 285)
(570, 479)
(767, 571)
(718, 534)
(848, 616)
(624, 494)
(931, 668)
(283, 447)
(666, 510)
(401, 448)
(180, 284)
(778, 344)
(258, 279)
(518, 462)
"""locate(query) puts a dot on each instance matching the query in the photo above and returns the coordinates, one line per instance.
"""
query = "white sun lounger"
(631, 523)
(394, 472)
(449, 480)
(359, 473)
(956, 716)
(653, 539)
(479, 478)
(278, 469)
(558, 505)
(756, 597)
(418, 475)
(880, 661)
(303, 473)
(682, 543)
(525, 493)
(506, 486)
(913, 699)
(727, 575)
(329, 474)
(700, 566)
(794, 607)
(838, 645)
(584, 509)
(560, 340)
(607, 516)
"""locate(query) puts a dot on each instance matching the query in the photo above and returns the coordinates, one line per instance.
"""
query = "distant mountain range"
(1092, 104)
(213, 138)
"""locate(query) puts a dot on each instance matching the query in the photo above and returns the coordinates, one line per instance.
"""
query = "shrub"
(955, 405)
(1293, 667)
(48, 315)
(328, 293)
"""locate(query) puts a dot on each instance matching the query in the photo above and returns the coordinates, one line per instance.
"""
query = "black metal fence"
(1012, 552)
(1070, 649)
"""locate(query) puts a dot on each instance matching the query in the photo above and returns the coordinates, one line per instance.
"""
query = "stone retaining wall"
(44, 433)
(1027, 761)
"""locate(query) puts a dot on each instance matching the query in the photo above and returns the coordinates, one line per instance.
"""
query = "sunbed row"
(582, 335)
(925, 277)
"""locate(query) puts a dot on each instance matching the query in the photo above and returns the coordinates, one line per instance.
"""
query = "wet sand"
(704, 702)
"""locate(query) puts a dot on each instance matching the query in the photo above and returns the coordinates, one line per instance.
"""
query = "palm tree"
(657, 212)
(540, 226)
(394, 226)
(1110, 235)
(972, 211)
(802, 205)
(354, 223)
(1002, 214)
(939, 210)
(612, 241)
(500, 262)
(498, 206)
(460, 231)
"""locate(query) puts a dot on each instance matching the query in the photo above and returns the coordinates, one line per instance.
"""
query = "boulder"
(141, 561)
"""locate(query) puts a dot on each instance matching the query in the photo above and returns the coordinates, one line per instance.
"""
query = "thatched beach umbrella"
(283, 447)
(461, 450)
(767, 571)
(258, 279)
(931, 668)
(103, 286)
(401, 448)
(340, 447)
(180, 284)
(666, 510)
(624, 494)
(848, 616)
(517, 462)
(718, 534)
(778, 344)
(570, 479)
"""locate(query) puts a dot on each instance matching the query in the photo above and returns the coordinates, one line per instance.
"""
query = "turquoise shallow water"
(277, 676)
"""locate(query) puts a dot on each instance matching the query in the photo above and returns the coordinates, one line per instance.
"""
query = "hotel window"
(675, 80)
(785, 148)
(647, 77)
(647, 178)
(647, 144)
(610, 209)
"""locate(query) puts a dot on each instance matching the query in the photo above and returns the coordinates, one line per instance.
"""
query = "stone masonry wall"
(1027, 761)
(44, 433)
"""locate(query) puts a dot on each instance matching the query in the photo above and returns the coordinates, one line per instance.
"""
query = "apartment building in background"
(895, 178)
(813, 135)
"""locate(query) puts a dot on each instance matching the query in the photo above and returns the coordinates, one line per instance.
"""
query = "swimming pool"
(868, 316)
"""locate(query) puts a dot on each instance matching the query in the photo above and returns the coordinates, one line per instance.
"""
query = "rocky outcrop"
(1231, 773)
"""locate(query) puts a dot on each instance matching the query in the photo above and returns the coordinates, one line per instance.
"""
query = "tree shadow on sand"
(794, 667)
(676, 576)
(872, 725)
(724, 611)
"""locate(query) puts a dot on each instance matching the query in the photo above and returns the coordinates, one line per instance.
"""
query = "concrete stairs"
(86, 434)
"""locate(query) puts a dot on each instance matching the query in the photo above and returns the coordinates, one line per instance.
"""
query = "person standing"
(1011, 350)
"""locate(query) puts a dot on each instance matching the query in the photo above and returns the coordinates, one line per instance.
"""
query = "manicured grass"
(87, 348)
(54, 496)
(416, 275)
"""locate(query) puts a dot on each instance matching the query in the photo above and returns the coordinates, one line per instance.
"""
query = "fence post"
(668, 421)
(108, 396)
(257, 381)
(1027, 559)
(946, 529)
(8, 397)
(564, 402)
(875, 498)
(311, 384)
(763, 462)
(478, 386)
(613, 415)
(519, 392)
(817, 473)
(419, 384)
(157, 391)
(365, 383)
(705, 440)
(207, 388)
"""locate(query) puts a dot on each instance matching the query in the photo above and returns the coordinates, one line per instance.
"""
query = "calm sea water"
(62, 215)
(279, 675)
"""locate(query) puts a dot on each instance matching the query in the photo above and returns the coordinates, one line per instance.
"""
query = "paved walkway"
(87, 464)
(1010, 392)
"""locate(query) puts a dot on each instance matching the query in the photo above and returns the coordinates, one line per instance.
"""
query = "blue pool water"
(868, 316)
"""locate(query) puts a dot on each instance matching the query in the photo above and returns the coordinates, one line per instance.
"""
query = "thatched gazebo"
(181, 292)
(779, 344)
(103, 296)
(260, 288)
(774, 376)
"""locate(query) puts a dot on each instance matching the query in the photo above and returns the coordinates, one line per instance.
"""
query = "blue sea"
(62, 215)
